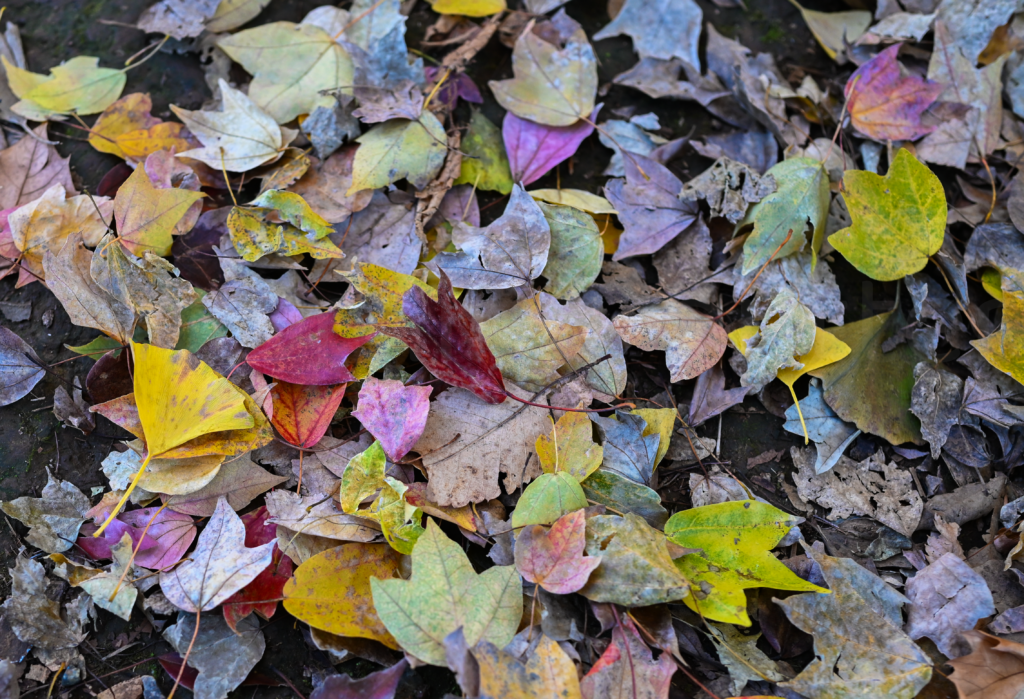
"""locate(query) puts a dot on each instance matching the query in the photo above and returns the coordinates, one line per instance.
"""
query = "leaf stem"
(124, 498)
(796, 402)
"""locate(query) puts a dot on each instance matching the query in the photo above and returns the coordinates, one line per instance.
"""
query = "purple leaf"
(286, 315)
(378, 685)
(393, 413)
(165, 542)
(534, 149)
(710, 396)
(649, 207)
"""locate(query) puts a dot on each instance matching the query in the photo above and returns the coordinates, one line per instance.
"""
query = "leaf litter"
(436, 414)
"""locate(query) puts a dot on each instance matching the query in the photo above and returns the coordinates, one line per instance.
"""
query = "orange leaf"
(127, 129)
(302, 414)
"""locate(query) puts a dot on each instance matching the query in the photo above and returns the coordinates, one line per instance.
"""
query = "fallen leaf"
(528, 348)
(576, 198)
(508, 253)
(994, 668)
(873, 488)
(947, 598)
(377, 685)
(104, 586)
(393, 413)
(835, 30)
(886, 102)
(467, 442)
(128, 130)
(468, 8)
(261, 594)
(219, 566)
(198, 326)
(627, 669)
(243, 306)
(291, 64)
(146, 216)
(814, 284)
(786, 332)
(870, 387)
(168, 536)
(223, 657)
(444, 594)
(831, 436)
(649, 207)
(20, 367)
(232, 14)
(238, 138)
(45, 224)
(302, 414)
(710, 397)
(180, 19)
(535, 149)
(576, 253)
(554, 558)
(692, 341)
(1002, 349)
(742, 658)
(735, 539)
(859, 646)
(31, 167)
(570, 447)
(800, 202)
(548, 672)
(448, 342)
(629, 450)
(399, 149)
(627, 496)
(485, 164)
(936, 400)
(669, 29)
(636, 569)
(554, 84)
(238, 480)
(898, 220)
(325, 186)
(547, 498)
(53, 520)
(77, 86)
(729, 187)
(34, 617)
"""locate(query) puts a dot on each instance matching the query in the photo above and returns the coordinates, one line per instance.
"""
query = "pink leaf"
(308, 353)
(285, 315)
(393, 413)
(554, 559)
(166, 541)
(534, 149)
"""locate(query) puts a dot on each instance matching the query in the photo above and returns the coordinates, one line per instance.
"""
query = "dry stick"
(188, 651)
(298, 488)
(957, 299)
(754, 280)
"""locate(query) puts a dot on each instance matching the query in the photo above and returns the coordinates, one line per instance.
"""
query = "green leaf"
(549, 497)
(800, 200)
(629, 497)
(101, 344)
(636, 569)
(363, 476)
(397, 149)
(293, 208)
(736, 539)
(444, 593)
(485, 164)
(870, 387)
(898, 220)
(79, 86)
(786, 332)
(576, 252)
(198, 326)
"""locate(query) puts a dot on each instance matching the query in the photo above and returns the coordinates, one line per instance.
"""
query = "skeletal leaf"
(444, 594)
(692, 341)
(898, 220)
(238, 138)
(331, 591)
(736, 539)
(220, 565)
(554, 84)
(291, 64)
(859, 644)
(33, 616)
(554, 558)
(636, 569)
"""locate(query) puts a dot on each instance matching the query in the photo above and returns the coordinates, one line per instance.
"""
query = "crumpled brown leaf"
(993, 670)
(54, 518)
(71, 408)
(37, 619)
(882, 491)
(729, 187)
(325, 186)
(179, 18)
(492, 438)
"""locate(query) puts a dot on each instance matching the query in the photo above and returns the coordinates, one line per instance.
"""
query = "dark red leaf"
(268, 585)
(377, 685)
(112, 181)
(109, 377)
(302, 414)
(307, 353)
(449, 343)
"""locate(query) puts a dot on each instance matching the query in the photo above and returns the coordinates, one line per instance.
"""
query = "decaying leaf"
(692, 341)
(945, 599)
(53, 519)
(627, 668)
(20, 367)
(223, 657)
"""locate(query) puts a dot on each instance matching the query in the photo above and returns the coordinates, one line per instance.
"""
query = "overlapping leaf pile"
(298, 276)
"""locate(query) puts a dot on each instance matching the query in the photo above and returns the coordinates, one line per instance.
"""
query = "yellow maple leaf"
(146, 216)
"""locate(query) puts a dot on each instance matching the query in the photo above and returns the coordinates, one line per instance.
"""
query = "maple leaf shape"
(219, 567)
(308, 352)
(554, 559)
(627, 668)
(448, 342)
(885, 103)
(146, 216)
(393, 413)
(269, 584)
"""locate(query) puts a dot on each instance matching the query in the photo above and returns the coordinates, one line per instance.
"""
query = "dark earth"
(32, 439)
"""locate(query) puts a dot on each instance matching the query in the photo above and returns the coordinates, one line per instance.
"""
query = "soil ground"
(32, 440)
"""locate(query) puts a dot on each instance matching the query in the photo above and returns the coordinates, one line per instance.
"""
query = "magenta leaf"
(285, 316)
(886, 102)
(165, 542)
(649, 206)
(393, 413)
(534, 149)
(308, 353)
(448, 342)
(554, 559)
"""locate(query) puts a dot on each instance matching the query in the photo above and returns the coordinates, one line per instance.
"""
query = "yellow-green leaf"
(1004, 349)
(576, 253)
(736, 539)
(576, 198)
(146, 216)
(469, 8)
(399, 149)
(570, 447)
(898, 220)
(363, 476)
(485, 163)
(660, 421)
(443, 594)
(79, 86)
(547, 498)
(399, 521)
